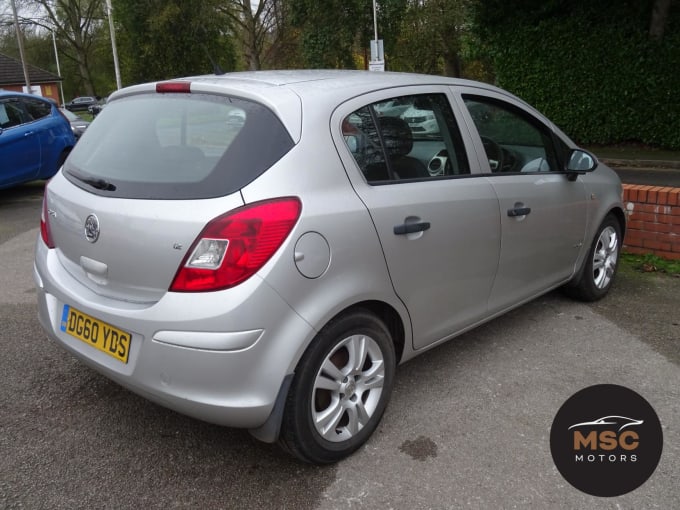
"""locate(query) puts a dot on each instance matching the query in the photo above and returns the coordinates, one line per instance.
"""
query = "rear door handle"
(410, 228)
(519, 211)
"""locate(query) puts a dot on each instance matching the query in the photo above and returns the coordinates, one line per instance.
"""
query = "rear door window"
(37, 108)
(177, 147)
(406, 138)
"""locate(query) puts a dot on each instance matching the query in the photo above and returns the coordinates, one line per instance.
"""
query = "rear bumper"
(220, 357)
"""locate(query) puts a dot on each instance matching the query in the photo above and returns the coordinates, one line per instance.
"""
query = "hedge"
(601, 84)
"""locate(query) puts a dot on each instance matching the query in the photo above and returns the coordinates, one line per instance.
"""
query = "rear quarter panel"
(357, 270)
(56, 137)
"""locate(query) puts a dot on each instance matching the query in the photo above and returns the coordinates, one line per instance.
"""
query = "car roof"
(284, 91)
(8, 93)
(338, 83)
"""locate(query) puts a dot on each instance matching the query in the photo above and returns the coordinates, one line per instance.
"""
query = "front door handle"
(519, 211)
(410, 228)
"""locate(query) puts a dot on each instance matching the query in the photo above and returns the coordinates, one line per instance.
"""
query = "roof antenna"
(217, 70)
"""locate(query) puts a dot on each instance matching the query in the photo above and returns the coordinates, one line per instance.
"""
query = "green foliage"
(430, 37)
(589, 66)
(329, 33)
(162, 39)
(599, 77)
(651, 264)
(425, 37)
(39, 52)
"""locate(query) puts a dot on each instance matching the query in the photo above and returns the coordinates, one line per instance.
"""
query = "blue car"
(35, 138)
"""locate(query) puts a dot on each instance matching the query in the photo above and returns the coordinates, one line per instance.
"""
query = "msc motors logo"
(606, 440)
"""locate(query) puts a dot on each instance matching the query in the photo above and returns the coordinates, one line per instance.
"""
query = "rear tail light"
(45, 231)
(234, 246)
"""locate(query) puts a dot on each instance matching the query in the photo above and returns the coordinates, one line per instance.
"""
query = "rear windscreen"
(177, 146)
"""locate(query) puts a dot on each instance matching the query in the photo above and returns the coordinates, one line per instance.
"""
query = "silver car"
(272, 273)
(78, 124)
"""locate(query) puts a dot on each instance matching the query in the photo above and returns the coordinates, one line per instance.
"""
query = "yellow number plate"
(98, 334)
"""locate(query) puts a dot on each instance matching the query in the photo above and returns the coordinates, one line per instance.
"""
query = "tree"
(431, 36)
(75, 22)
(261, 28)
(329, 34)
(425, 36)
(161, 39)
(250, 28)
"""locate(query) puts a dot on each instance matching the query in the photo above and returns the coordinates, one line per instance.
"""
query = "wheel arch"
(353, 397)
(269, 432)
(620, 216)
(390, 317)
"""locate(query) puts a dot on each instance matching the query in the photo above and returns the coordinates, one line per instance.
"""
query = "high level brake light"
(233, 247)
(173, 87)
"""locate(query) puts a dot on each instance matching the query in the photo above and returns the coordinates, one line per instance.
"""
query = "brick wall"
(653, 214)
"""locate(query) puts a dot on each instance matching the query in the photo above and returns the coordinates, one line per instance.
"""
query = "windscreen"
(177, 146)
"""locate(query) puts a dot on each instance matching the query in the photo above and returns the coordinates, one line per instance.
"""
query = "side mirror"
(581, 162)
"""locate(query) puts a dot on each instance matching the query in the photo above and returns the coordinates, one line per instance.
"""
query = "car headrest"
(396, 135)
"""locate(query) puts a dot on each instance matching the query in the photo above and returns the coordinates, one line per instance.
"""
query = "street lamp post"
(377, 62)
(20, 41)
(113, 44)
(56, 57)
(375, 22)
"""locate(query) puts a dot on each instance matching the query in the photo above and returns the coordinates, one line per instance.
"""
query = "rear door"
(542, 212)
(437, 221)
(19, 144)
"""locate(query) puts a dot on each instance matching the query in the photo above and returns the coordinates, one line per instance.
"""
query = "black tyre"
(340, 390)
(599, 270)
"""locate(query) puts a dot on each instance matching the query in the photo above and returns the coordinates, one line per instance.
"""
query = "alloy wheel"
(347, 388)
(605, 257)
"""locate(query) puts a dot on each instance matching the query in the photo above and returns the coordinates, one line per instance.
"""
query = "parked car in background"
(262, 249)
(95, 109)
(236, 119)
(81, 104)
(421, 121)
(78, 124)
(35, 138)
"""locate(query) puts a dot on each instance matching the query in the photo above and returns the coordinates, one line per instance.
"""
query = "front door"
(542, 212)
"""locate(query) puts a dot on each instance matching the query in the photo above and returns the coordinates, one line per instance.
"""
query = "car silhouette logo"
(621, 421)
(92, 228)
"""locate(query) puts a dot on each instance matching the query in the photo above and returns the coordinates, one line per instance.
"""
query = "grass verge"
(651, 264)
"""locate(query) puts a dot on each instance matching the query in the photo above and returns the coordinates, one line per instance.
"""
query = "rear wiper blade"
(94, 182)
(100, 184)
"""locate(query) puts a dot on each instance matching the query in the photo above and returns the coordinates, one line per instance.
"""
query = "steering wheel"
(494, 152)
